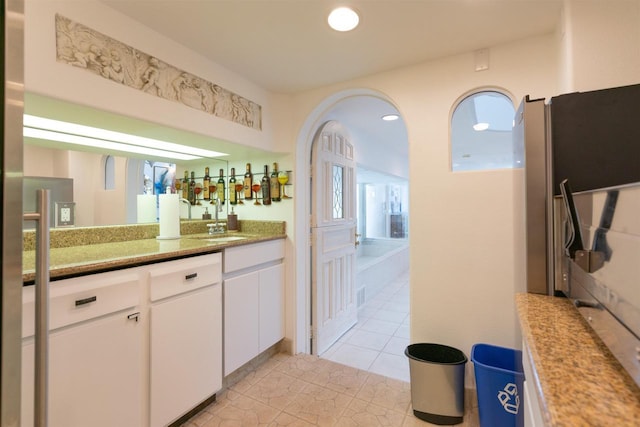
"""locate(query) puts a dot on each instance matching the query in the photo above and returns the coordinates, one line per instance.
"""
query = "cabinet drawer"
(184, 275)
(83, 298)
(240, 257)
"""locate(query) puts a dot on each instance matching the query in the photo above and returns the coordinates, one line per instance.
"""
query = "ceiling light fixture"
(95, 137)
(343, 19)
(85, 141)
(481, 126)
(390, 117)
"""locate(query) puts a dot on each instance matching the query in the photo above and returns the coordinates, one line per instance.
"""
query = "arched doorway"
(341, 106)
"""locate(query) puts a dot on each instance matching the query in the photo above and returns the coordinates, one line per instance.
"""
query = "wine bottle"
(206, 181)
(185, 186)
(192, 189)
(248, 181)
(275, 185)
(265, 186)
(220, 187)
(233, 194)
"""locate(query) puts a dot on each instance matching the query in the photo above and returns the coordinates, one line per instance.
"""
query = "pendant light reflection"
(343, 19)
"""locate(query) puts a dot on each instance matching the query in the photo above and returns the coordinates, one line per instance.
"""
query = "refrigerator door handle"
(41, 216)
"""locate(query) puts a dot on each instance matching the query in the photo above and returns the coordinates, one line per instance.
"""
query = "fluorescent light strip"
(100, 143)
(107, 135)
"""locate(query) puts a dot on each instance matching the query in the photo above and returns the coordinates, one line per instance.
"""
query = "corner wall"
(600, 41)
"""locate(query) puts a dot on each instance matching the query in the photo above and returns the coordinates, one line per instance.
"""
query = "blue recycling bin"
(500, 384)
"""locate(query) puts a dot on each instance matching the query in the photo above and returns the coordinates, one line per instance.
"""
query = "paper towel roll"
(147, 208)
(169, 216)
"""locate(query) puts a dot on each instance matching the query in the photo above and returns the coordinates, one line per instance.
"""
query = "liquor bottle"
(192, 189)
(206, 181)
(248, 181)
(233, 194)
(275, 185)
(185, 186)
(220, 187)
(265, 186)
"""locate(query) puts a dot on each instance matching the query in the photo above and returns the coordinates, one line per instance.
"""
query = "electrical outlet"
(65, 215)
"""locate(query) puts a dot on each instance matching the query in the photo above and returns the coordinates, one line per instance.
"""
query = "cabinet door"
(241, 317)
(186, 353)
(94, 374)
(271, 306)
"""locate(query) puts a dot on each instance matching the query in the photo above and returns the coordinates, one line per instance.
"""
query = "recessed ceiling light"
(481, 126)
(390, 117)
(343, 19)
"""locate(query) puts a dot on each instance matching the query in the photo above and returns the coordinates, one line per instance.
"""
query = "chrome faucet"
(216, 228)
(189, 205)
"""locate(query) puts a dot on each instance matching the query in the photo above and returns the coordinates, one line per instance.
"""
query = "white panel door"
(241, 318)
(186, 352)
(94, 374)
(333, 237)
(271, 312)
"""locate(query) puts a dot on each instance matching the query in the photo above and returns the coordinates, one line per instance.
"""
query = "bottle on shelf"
(185, 186)
(192, 189)
(275, 185)
(248, 182)
(206, 181)
(265, 186)
(233, 194)
(220, 187)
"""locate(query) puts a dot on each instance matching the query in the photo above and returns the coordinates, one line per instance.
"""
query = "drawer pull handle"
(135, 316)
(86, 300)
(191, 276)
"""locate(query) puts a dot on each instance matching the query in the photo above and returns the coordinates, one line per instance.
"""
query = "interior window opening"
(482, 133)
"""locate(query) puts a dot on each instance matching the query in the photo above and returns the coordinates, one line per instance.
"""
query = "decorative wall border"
(86, 48)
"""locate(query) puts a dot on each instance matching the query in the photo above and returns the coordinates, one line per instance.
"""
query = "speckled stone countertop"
(579, 381)
(87, 250)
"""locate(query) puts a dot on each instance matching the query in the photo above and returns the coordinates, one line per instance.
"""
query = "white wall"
(45, 76)
(94, 204)
(601, 43)
(466, 234)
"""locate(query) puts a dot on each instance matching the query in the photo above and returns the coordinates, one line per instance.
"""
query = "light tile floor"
(305, 390)
(377, 342)
(363, 380)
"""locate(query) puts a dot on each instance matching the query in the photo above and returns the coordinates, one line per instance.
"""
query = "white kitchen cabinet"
(253, 301)
(532, 412)
(271, 324)
(185, 335)
(95, 347)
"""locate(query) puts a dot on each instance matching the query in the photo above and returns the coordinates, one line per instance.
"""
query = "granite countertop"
(579, 382)
(97, 249)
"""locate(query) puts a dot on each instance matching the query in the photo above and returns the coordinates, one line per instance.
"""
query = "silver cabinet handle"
(41, 216)
(84, 301)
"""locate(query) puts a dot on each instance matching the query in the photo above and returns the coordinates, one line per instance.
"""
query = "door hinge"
(312, 333)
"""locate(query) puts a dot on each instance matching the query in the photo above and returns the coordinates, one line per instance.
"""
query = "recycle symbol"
(509, 398)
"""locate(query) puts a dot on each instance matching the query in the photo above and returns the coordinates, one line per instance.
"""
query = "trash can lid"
(435, 353)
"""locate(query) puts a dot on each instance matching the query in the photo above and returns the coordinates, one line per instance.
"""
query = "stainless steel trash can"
(437, 382)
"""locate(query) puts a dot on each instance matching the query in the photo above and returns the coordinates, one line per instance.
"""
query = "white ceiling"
(286, 46)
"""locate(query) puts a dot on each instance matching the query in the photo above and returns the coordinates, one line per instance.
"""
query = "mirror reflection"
(105, 189)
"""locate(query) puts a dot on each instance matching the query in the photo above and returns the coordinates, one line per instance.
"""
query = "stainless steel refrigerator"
(592, 139)
(582, 191)
(12, 91)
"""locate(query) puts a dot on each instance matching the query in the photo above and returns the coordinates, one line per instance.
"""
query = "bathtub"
(379, 262)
